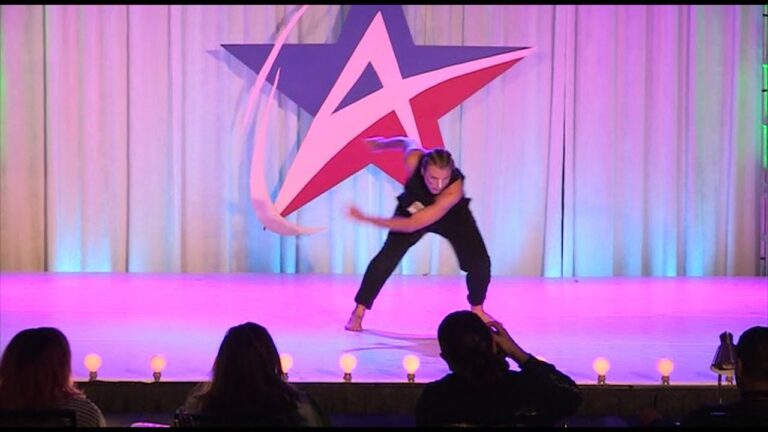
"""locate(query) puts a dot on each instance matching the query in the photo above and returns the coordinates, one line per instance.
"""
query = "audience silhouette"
(247, 387)
(482, 391)
(751, 410)
(36, 376)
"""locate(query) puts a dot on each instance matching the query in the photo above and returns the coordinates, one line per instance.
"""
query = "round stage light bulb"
(92, 362)
(347, 362)
(665, 366)
(158, 363)
(601, 365)
(286, 362)
(411, 363)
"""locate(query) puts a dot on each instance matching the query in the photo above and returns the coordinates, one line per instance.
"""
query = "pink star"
(334, 148)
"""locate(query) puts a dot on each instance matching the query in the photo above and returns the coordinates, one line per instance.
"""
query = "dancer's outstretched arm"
(411, 149)
(422, 218)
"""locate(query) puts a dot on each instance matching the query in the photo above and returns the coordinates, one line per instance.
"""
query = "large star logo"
(374, 81)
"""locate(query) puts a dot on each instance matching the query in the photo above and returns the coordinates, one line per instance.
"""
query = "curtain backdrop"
(627, 143)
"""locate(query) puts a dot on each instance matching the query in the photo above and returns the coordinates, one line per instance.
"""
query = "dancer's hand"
(403, 143)
(356, 214)
(376, 143)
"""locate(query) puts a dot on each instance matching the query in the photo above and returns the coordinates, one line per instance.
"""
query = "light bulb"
(158, 364)
(347, 362)
(665, 367)
(92, 363)
(411, 364)
(286, 362)
(601, 365)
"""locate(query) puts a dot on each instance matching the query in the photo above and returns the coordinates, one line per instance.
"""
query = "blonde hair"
(438, 157)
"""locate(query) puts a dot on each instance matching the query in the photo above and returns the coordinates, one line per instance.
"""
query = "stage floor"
(128, 317)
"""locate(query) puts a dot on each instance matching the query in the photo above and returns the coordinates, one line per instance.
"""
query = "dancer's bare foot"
(355, 322)
(482, 314)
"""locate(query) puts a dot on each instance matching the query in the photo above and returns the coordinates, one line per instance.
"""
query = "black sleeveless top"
(416, 189)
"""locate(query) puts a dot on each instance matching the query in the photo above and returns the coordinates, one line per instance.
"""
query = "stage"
(128, 318)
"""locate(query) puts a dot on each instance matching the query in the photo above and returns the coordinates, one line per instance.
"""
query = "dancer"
(432, 201)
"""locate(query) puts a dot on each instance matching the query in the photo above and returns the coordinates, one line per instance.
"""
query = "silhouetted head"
(752, 358)
(466, 344)
(436, 168)
(247, 378)
(36, 370)
(248, 354)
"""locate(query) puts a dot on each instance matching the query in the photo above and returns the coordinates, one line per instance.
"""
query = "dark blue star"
(308, 71)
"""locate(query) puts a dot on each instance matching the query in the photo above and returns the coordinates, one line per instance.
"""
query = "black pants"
(458, 226)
